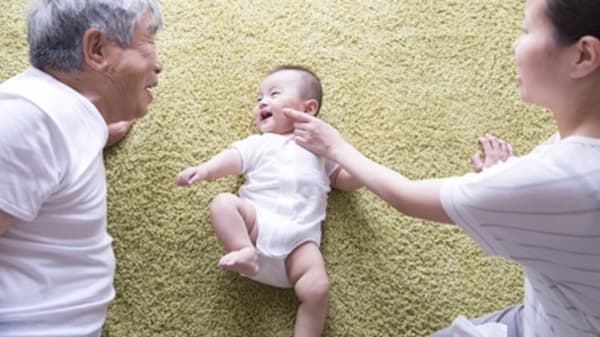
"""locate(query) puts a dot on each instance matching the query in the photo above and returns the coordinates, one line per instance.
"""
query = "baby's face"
(279, 90)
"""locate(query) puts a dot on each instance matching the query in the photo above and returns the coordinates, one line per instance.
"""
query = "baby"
(272, 230)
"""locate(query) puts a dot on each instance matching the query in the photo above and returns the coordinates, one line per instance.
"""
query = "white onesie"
(288, 186)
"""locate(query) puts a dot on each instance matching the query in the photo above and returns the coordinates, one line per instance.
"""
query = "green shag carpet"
(411, 83)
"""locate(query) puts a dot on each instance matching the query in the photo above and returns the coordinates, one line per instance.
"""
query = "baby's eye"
(258, 99)
(275, 93)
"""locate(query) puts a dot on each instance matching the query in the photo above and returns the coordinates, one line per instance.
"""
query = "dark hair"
(573, 19)
(311, 85)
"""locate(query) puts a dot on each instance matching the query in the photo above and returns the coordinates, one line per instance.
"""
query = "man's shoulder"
(17, 112)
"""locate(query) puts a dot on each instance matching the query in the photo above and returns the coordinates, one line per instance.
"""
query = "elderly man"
(92, 65)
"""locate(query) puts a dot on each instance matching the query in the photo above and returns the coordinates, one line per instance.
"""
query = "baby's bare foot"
(244, 261)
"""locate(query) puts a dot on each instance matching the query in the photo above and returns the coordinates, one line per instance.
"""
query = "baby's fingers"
(183, 178)
(194, 179)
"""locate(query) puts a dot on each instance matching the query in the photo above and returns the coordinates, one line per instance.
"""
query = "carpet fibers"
(411, 83)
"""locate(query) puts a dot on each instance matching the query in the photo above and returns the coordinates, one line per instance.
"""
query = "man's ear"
(95, 47)
(588, 56)
(311, 107)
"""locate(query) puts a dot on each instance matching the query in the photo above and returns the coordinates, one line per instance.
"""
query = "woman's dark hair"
(573, 19)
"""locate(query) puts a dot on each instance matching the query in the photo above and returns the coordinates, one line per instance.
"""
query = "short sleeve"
(330, 166)
(32, 157)
(248, 149)
(467, 200)
(495, 206)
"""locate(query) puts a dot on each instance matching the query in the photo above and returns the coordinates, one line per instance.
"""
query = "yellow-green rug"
(411, 83)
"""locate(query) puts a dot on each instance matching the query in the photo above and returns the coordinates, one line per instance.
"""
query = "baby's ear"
(311, 107)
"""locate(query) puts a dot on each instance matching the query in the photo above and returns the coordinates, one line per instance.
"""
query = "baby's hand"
(189, 176)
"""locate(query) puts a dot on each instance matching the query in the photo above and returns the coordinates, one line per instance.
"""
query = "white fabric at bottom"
(462, 327)
(271, 271)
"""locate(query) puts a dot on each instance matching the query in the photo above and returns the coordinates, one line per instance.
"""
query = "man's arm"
(6, 221)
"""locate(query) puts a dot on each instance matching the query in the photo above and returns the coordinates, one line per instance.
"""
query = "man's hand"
(118, 130)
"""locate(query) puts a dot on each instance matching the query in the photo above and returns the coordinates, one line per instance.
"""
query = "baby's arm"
(342, 180)
(225, 163)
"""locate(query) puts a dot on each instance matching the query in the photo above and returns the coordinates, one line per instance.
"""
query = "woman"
(541, 210)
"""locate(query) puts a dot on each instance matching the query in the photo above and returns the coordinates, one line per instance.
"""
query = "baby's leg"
(233, 220)
(306, 271)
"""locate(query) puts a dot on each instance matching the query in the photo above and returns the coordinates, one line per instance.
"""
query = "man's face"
(132, 72)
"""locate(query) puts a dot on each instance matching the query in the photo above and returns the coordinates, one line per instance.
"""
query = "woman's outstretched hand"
(314, 134)
(494, 150)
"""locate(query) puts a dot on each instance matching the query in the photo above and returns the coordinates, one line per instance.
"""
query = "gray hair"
(55, 28)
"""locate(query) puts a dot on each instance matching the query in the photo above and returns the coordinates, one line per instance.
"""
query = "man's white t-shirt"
(288, 186)
(56, 263)
(542, 211)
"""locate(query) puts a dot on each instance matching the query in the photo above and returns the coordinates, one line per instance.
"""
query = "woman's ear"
(95, 45)
(588, 56)
(311, 107)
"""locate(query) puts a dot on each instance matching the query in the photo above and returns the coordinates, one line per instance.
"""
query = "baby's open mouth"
(265, 114)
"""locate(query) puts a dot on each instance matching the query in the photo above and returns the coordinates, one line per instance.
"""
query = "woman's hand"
(494, 150)
(315, 135)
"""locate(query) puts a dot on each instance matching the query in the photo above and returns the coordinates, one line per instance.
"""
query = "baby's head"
(286, 86)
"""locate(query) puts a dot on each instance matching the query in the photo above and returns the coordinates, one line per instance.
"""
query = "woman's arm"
(419, 199)
(342, 180)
